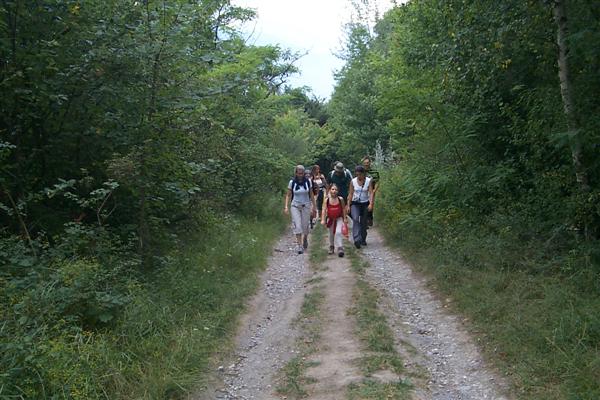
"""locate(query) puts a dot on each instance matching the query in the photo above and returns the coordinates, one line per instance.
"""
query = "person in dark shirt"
(341, 177)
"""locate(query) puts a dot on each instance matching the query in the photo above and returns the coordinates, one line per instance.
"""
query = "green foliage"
(154, 102)
(482, 188)
(127, 128)
(513, 276)
(50, 313)
(468, 97)
(82, 329)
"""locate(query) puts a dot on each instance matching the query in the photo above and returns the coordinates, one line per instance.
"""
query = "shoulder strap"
(364, 183)
(296, 184)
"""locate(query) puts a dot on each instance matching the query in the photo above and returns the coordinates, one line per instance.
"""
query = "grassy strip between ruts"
(292, 377)
(378, 341)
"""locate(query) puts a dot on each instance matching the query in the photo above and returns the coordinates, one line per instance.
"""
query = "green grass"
(292, 379)
(372, 324)
(536, 328)
(378, 342)
(534, 307)
(169, 335)
(318, 254)
(373, 390)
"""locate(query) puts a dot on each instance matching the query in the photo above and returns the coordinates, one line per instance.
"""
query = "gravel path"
(265, 340)
(454, 365)
(442, 357)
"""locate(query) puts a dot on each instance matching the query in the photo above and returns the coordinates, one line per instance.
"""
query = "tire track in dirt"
(266, 339)
(438, 353)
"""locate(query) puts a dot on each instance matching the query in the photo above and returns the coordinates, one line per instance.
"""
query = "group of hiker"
(311, 195)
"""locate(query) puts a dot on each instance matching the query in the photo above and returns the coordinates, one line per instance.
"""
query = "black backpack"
(297, 184)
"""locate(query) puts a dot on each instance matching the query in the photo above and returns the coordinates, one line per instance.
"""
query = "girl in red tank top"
(333, 216)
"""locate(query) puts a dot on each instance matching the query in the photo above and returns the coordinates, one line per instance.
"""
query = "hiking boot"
(357, 245)
(341, 252)
(300, 249)
(305, 242)
(331, 248)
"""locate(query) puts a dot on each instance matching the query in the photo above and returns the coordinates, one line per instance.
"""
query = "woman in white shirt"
(360, 201)
(303, 206)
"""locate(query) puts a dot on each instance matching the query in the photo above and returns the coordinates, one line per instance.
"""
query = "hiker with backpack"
(333, 216)
(303, 207)
(360, 202)
(341, 177)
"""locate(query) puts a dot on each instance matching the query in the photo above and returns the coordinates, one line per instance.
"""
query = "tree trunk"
(566, 91)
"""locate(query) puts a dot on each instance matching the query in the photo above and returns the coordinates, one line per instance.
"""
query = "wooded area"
(143, 142)
(130, 132)
(487, 114)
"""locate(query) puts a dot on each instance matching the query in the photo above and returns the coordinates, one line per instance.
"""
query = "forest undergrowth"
(160, 344)
(530, 300)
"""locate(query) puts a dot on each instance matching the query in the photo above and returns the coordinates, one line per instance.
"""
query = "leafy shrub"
(53, 300)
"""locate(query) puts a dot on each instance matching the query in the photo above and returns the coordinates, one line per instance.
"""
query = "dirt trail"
(339, 347)
(265, 341)
(432, 342)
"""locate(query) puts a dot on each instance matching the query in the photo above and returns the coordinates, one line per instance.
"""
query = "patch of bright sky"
(314, 27)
